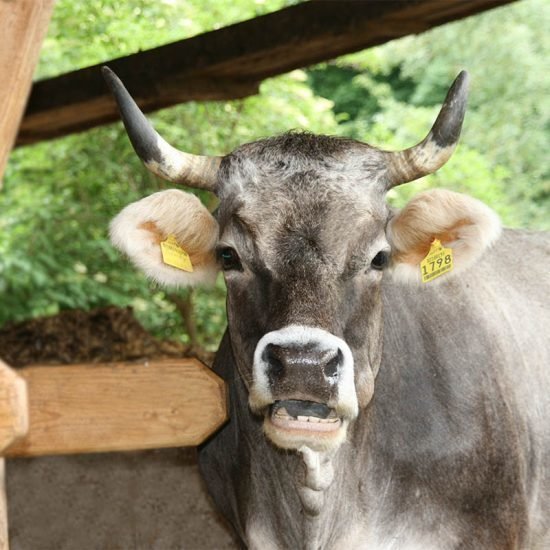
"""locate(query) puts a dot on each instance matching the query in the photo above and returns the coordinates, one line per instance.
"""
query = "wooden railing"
(87, 408)
(90, 408)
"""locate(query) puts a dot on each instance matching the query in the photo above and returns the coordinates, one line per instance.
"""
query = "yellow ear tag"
(437, 262)
(174, 255)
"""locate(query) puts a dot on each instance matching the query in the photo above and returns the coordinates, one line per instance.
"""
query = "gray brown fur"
(455, 445)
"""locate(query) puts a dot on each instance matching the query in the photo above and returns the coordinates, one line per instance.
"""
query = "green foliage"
(85, 33)
(403, 83)
(509, 111)
(59, 196)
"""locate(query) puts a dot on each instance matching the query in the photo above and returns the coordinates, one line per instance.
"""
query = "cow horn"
(158, 155)
(438, 146)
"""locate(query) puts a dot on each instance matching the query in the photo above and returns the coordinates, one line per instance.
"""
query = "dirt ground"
(150, 500)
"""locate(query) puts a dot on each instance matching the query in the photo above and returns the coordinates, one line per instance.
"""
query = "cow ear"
(142, 226)
(461, 223)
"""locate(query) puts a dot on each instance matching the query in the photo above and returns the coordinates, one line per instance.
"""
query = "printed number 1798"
(436, 264)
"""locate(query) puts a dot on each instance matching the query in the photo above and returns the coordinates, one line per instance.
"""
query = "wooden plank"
(230, 62)
(14, 418)
(13, 425)
(120, 407)
(4, 541)
(24, 24)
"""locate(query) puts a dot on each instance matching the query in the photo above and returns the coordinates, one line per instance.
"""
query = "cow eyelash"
(381, 260)
(229, 259)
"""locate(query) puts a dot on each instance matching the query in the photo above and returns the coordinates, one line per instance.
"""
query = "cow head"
(305, 240)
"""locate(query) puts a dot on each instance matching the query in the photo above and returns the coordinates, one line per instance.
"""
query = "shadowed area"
(143, 500)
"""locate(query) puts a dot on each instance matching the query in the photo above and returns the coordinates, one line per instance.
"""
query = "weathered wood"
(120, 407)
(13, 425)
(4, 542)
(230, 62)
(24, 24)
(14, 418)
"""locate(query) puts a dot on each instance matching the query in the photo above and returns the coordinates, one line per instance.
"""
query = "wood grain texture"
(14, 418)
(13, 425)
(4, 542)
(120, 407)
(24, 25)
(229, 63)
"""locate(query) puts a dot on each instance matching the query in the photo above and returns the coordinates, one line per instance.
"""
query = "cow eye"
(229, 259)
(380, 261)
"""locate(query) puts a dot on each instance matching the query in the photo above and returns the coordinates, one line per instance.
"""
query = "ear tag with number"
(437, 262)
(174, 255)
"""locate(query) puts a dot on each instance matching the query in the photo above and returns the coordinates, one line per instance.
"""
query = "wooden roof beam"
(229, 63)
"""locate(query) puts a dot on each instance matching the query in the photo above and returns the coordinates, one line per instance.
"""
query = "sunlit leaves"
(59, 196)
(391, 95)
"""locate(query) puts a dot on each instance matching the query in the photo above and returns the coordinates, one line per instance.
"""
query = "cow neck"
(314, 484)
(313, 475)
(319, 475)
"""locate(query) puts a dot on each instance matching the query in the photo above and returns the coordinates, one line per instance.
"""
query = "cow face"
(302, 245)
(305, 240)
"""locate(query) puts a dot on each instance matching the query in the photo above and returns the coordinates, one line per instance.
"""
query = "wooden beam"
(229, 63)
(120, 407)
(14, 418)
(13, 425)
(24, 24)
(4, 540)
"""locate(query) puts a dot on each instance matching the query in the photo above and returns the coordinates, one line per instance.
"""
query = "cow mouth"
(295, 415)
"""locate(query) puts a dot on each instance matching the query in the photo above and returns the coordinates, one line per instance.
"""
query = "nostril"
(332, 366)
(271, 358)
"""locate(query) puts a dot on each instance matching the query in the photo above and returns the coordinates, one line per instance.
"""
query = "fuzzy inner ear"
(141, 227)
(461, 223)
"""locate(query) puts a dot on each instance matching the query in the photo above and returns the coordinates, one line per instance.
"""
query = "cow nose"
(303, 363)
(282, 360)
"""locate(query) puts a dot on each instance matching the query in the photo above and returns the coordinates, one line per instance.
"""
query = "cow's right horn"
(438, 146)
(158, 155)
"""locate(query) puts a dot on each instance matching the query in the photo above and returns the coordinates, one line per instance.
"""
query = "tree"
(59, 196)
(396, 90)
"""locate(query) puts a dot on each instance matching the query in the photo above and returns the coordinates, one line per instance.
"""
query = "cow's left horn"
(438, 146)
(157, 154)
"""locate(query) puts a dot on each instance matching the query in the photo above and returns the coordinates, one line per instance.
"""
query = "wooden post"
(4, 541)
(120, 407)
(24, 25)
(13, 425)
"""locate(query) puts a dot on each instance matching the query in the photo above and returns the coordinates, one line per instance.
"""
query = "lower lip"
(305, 426)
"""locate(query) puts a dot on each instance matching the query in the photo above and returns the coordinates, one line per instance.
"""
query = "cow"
(368, 408)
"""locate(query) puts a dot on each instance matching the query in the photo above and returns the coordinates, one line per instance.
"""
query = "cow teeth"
(281, 412)
(302, 418)
(314, 419)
